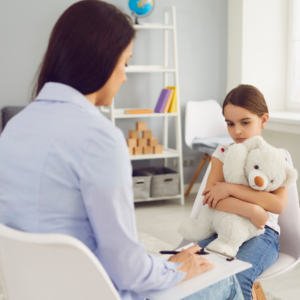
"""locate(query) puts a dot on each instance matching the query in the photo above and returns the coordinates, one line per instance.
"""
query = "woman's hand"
(193, 264)
(215, 193)
(258, 216)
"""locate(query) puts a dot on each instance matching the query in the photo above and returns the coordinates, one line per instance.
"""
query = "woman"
(66, 169)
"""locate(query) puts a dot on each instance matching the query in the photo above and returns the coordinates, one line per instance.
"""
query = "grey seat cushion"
(208, 145)
(8, 112)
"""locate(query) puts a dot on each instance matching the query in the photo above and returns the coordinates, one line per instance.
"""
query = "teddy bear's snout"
(259, 181)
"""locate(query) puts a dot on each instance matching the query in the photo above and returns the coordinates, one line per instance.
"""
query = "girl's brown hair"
(248, 97)
(85, 45)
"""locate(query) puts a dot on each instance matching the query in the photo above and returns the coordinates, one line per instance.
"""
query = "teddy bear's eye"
(256, 167)
(272, 180)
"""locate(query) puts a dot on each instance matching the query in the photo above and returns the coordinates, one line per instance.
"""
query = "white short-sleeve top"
(220, 153)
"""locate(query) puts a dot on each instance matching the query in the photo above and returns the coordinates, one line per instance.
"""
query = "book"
(173, 105)
(223, 269)
(138, 111)
(167, 106)
(162, 100)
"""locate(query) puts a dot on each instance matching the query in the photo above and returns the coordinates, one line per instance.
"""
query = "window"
(294, 55)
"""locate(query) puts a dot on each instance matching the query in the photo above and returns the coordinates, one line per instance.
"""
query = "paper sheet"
(222, 270)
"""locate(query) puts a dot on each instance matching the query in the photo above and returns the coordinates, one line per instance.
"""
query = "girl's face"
(243, 124)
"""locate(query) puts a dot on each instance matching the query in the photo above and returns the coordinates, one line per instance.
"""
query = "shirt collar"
(54, 91)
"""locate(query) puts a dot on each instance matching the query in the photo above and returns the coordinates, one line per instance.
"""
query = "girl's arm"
(274, 202)
(217, 189)
(256, 214)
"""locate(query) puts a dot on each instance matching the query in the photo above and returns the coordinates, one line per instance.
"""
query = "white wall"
(288, 141)
(257, 55)
(257, 47)
(25, 27)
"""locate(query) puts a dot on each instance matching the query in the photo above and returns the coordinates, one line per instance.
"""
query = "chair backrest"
(203, 119)
(50, 266)
(289, 220)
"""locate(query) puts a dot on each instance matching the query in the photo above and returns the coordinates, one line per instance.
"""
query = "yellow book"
(173, 105)
(166, 109)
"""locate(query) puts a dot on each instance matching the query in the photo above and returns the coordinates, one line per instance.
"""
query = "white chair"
(205, 129)
(50, 266)
(289, 222)
(60, 267)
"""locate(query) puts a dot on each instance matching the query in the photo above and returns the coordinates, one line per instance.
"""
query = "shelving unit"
(114, 114)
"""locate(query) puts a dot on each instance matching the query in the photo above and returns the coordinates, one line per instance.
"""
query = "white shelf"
(119, 114)
(166, 154)
(148, 69)
(170, 45)
(152, 26)
(157, 198)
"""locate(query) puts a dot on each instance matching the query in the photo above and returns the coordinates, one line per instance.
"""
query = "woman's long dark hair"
(84, 47)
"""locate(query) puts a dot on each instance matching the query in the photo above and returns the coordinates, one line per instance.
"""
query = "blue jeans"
(261, 251)
(227, 289)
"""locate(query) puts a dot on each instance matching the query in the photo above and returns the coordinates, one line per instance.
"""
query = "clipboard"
(224, 268)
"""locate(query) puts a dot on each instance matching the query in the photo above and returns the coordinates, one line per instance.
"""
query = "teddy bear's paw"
(191, 230)
(221, 247)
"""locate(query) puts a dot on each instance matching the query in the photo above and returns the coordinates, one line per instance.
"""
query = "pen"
(201, 252)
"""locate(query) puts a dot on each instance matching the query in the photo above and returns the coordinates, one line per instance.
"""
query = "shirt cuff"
(172, 268)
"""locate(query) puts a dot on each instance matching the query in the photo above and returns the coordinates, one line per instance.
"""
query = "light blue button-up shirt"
(66, 169)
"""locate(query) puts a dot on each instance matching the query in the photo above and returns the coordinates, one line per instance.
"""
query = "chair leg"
(257, 292)
(199, 168)
(253, 293)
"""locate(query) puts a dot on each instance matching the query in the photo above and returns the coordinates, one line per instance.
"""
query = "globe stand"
(135, 19)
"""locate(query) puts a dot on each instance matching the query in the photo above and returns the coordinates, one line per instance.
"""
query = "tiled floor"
(161, 219)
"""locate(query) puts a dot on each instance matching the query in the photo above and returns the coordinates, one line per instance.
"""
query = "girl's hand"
(193, 264)
(258, 216)
(215, 193)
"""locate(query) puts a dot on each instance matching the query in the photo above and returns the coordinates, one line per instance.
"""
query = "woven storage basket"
(164, 182)
(141, 185)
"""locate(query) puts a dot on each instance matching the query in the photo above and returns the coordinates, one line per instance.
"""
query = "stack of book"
(167, 101)
(143, 145)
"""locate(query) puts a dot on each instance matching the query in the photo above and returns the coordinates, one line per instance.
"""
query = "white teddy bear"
(253, 163)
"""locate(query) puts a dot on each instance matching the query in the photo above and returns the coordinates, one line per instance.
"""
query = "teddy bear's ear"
(255, 142)
(291, 176)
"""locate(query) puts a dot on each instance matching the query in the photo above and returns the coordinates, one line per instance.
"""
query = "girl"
(246, 114)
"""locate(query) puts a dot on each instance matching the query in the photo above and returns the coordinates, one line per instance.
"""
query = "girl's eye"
(230, 124)
(245, 123)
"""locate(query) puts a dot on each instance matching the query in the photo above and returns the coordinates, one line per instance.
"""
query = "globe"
(141, 8)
